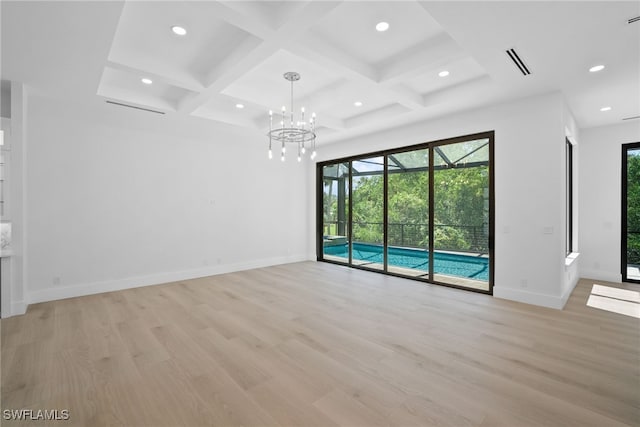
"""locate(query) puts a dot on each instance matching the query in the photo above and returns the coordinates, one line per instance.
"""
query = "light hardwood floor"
(314, 344)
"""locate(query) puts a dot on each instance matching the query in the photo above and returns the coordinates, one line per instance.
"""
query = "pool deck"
(409, 272)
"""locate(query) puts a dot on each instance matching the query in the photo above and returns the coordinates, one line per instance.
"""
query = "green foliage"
(367, 209)
(460, 211)
(633, 208)
(448, 237)
(459, 196)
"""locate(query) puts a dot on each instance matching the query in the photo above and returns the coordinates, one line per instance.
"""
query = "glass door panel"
(631, 213)
(368, 212)
(408, 213)
(335, 212)
(461, 214)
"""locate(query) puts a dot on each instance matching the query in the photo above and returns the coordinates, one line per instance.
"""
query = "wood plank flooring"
(315, 344)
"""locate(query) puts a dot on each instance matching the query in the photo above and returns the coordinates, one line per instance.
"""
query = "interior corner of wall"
(18, 308)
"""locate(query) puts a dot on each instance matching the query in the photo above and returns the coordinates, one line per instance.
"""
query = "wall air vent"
(632, 20)
(631, 118)
(519, 62)
(134, 107)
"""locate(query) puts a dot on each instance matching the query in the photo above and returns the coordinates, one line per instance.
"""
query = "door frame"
(490, 135)
(623, 205)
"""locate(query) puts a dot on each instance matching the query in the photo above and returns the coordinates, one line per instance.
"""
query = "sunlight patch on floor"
(617, 293)
(633, 272)
(621, 301)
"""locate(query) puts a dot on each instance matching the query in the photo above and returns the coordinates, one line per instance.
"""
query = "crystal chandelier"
(290, 132)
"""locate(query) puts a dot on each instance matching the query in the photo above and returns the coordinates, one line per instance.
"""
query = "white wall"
(600, 193)
(120, 198)
(529, 188)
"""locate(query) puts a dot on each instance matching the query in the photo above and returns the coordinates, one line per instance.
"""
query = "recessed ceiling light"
(382, 26)
(146, 81)
(178, 30)
(596, 68)
(358, 103)
(605, 109)
(240, 106)
(443, 73)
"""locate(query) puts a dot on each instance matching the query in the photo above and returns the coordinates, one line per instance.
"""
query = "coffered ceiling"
(355, 78)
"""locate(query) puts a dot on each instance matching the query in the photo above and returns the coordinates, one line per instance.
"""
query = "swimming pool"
(472, 267)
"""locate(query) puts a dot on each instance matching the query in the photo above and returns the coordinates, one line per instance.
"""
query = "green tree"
(460, 210)
(368, 208)
(633, 207)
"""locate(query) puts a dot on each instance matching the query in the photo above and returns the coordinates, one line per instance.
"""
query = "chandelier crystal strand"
(284, 149)
(302, 123)
(293, 132)
(270, 129)
(313, 131)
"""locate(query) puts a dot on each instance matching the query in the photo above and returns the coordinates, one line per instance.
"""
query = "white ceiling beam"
(190, 83)
(332, 57)
(248, 22)
(406, 97)
(243, 49)
(226, 118)
(324, 98)
(230, 71)
(305, 17)
(331, 122)
(424, 57)
(468, 89)
(227, 74)
(354, 69)
(380, 114)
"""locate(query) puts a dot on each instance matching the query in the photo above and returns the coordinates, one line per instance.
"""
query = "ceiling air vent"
(134, 107)
(632, 20)
(519, 62)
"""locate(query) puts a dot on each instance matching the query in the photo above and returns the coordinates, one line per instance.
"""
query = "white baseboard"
(601, 275)
(18, 308)
(544, 300)
(569, 290)
(56, 293)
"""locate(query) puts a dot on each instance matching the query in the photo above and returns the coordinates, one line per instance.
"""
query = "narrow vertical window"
(569, 197)
(630, 255)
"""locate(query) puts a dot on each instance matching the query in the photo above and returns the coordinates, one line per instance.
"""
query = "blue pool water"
(473, 267)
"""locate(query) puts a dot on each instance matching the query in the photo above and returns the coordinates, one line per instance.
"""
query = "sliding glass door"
(423, 212)
(408, 213)
(631, 212)
(335, 212)
(461, 213)
(367, 212)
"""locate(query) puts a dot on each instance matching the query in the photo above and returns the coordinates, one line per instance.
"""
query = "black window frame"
(624, 211)
(569, 197)
(489, 135)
